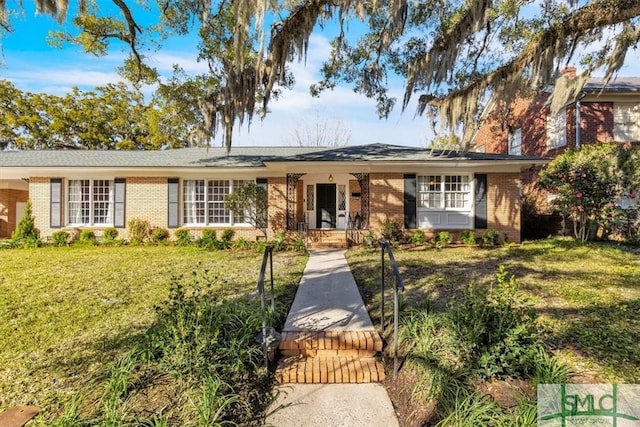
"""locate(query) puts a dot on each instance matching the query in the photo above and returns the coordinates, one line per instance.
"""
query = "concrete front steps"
(326, 357)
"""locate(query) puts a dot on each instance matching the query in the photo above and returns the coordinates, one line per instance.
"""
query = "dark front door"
(326, 206)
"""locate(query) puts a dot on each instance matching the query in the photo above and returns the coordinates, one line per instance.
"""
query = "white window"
(217, 192)
(557, 129)
(204, 202)
(430, 191)
(448, 192)
(90, 202)
(194, 201)
(456, 192)
(238, 217)
(626, 121)
(515, 142)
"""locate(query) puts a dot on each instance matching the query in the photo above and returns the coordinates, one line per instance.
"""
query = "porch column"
(363, 181)
(292, 182)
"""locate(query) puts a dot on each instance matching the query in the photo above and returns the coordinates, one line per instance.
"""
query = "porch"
(328, 210)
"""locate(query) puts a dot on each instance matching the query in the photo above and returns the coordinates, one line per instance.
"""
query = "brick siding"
(503, 205)
(39, 191)
(277, 215)
(146, 199)
(386, 198)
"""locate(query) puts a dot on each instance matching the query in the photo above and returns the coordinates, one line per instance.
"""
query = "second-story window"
(557, 129)
(515, 142)
(626, 122)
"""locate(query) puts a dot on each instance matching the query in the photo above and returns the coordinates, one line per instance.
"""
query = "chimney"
(569, 72)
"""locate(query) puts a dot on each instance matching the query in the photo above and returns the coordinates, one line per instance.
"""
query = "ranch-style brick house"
(319, 189)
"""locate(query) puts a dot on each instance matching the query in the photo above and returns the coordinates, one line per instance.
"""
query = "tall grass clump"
(499, 325)
(199, 332)
(487, 334)
(201, 350)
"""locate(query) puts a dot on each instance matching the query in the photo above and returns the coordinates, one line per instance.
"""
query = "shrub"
(369, 239)
(391, 230)
(468, 237)
(60, 238)
(442, 239)
(226, 238)
(183, 237)
(110, 234)
(298, 245)
(490, 237)
(209, 239)
(87, 237)
(241, 243)
(260, 246)
(159, 235)
(139, 231)
(26, 233)
(418, 237)
(279, 241)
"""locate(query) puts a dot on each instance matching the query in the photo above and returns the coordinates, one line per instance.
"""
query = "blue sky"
(32, 65)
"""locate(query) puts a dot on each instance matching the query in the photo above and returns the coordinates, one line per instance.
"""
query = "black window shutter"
(173, 202)
(55, 217)
(119, 202)
(480, 218)
(410, 201)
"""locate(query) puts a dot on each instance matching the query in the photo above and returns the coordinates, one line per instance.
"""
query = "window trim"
(231, 186)
(468, 205)
(92, 203)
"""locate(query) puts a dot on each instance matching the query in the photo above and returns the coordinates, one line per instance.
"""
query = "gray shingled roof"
(238, 157)
(185, 157)
(386, 153)
(617, 85)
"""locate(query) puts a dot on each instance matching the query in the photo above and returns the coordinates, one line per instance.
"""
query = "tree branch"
(505, 81)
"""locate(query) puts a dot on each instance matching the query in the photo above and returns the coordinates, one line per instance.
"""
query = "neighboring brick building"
(597, 114)
(320, 188)
(600, 113)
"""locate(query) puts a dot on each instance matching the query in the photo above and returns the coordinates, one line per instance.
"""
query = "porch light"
(330, 178)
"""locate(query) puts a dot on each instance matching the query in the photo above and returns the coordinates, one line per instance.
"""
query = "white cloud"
(164, 62)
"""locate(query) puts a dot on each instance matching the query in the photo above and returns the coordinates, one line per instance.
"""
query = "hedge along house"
(316, 189)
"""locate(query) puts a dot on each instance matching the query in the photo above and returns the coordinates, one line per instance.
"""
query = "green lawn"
(588, 296)
(66, 313)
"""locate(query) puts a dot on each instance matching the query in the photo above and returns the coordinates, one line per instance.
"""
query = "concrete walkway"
(328, 299)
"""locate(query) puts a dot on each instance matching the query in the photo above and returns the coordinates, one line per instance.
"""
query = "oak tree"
(455, 55)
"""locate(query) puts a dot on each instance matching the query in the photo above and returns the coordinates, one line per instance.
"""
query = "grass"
(587, 295)
(67, 315)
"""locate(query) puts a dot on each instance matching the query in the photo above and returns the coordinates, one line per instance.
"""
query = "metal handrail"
(399, 286)
(268, 336)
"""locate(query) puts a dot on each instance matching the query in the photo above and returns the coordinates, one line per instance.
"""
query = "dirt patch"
(506, 393)
(412, 411)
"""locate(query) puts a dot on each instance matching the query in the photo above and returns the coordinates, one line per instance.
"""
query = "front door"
(326, 205)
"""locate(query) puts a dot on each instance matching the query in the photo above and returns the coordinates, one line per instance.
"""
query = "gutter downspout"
(579, 120)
